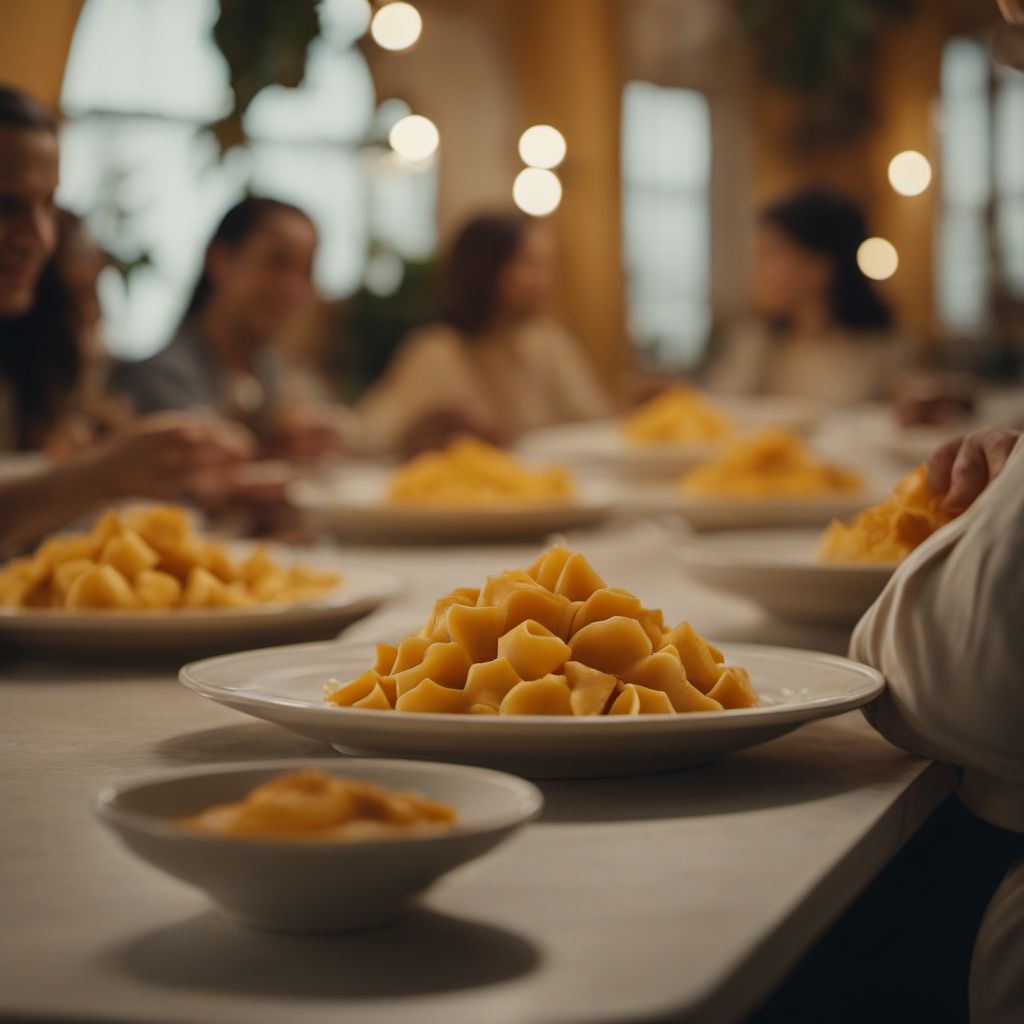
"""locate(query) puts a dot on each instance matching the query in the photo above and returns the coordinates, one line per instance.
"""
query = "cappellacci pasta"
(313, 805)
(470, 472)
(678, 415)
(553, 639)
(151, 559)
(771, 464)
(890, 531)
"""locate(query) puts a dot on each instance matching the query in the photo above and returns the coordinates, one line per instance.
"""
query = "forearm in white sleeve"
(948, 634)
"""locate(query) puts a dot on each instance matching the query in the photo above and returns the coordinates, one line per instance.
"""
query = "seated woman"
(257, 277)
(821, 331)
(39, 360)
(495, 365)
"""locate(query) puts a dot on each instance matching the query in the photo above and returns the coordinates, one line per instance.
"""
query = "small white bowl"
(308, 885)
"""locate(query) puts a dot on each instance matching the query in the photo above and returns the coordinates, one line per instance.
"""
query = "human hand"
(310, 433)
(963, 467)
(168, 453)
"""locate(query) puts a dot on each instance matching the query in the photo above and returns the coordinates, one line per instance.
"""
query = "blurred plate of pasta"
(669, 435)
(381, 504)
(783, 573)
(285, 685)
(145, 580)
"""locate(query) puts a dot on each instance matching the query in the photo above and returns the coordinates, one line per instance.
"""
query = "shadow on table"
(425, 953)
(248, 742)
(798, 769)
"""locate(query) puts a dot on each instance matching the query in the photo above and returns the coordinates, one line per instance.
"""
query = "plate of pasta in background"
(146, 581)
(669, 435)
(822, 577)
(547, 671)
(469, 491)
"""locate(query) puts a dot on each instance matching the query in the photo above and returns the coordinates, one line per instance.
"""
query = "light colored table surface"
(684, 896)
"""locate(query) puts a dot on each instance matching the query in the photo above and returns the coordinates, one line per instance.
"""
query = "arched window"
(145, 80)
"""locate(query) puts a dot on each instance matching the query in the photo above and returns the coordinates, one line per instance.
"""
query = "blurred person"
(40, 362)
(496, 364)
(257, 277)
(821, 331)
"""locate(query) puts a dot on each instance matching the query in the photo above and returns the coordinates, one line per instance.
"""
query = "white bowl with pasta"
(779, 570)
(285, 685)
(314, 885)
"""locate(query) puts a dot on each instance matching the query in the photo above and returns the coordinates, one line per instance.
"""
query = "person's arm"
(948, 631)
(427, 384)
(155, 457)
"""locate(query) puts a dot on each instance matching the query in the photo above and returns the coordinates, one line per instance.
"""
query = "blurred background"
(674, 121)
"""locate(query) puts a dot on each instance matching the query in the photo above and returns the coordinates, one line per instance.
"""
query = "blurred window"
(666, 170)
(980, 236)
(145, 80)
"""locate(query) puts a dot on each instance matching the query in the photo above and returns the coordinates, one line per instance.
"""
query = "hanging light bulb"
(542, 146)
(877, 258)
(910, 173)
(537, 191)
(396, 26)
(414, 138)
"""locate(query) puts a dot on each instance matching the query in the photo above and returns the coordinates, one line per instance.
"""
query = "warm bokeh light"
(396, 26)
(910, 173)
(414, 138)
(877, 258)
(537, 192)
(542, 146)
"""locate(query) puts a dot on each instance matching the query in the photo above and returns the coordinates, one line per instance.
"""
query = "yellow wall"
(34, 39)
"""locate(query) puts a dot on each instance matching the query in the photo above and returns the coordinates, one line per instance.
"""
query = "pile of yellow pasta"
(314, 805)
(890, 531)
(150, 559)
(470, 472)
(553, 639)
(771, 464)
(677, 416)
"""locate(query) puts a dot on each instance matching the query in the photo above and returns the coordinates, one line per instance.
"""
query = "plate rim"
(509, 723)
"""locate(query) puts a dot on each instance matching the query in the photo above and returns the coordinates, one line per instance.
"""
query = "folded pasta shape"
(469, 472)
(771, 464)
(890, 531)
(676, 416)
(151, 559)
(553, 639)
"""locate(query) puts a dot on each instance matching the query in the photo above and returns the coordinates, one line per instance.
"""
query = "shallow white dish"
(711, 513)
(779, 571)
(600, 444)
(353, 504)
(285, 685)
(191, 632)
(310, 885)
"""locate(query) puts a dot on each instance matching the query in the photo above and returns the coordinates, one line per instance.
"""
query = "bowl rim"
(105, 804)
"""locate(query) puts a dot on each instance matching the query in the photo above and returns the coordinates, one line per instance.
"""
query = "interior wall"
(35, 36)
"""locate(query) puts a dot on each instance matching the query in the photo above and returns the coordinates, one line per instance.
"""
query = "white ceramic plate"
(601, 445)
(285, 685)
(191, 632)
(314, 886)
(708, 513)
(779, 570)
(353, 503)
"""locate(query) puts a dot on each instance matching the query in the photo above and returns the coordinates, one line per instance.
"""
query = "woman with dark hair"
(495, 365)
(39, 363)
(257, 277)
(822, 331)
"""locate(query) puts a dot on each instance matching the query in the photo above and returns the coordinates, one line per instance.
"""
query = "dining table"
(683, 896)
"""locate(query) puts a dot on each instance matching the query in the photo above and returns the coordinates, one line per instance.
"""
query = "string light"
(414, 138)
(877, 258)
(537, 191)
(910, 173)
(542, 146)
(396, 26)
